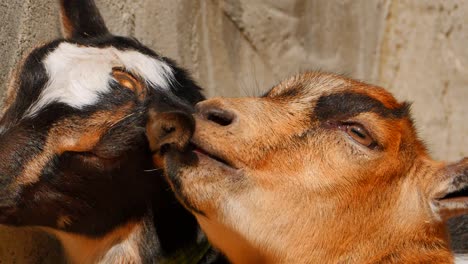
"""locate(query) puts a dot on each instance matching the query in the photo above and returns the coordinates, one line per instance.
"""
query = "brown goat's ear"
(81, 19)
(451, 196)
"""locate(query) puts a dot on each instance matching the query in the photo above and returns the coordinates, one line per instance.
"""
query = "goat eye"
(126, 79)
(359, 134)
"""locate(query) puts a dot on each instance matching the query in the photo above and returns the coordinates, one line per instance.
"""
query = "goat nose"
(215, 113)
(169, 130)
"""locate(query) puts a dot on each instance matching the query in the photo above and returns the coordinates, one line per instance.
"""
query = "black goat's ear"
(81, 19)
(451, 196)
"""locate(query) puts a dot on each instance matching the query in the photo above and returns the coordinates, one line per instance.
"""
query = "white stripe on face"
(77, 74)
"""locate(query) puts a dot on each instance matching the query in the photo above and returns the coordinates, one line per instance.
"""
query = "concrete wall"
(416, 49)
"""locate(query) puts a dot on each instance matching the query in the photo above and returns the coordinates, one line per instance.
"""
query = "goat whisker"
(124, 118)
(151, 170)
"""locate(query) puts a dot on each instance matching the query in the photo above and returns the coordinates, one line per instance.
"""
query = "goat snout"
(169, 130)
(213, 111)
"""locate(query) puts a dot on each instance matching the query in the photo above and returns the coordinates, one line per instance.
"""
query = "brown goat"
(321, 169)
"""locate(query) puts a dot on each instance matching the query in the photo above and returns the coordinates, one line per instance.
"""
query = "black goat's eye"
(126, 79)
(359, 134)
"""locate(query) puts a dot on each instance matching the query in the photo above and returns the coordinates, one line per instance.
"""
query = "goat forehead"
(308, 86)
(79, 74)
(312, 85)
(335, 95)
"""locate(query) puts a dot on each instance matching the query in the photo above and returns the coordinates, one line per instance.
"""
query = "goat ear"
(81, 19)
(451, 196)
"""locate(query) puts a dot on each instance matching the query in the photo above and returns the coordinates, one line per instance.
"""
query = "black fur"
(344, 105)
(32, 79)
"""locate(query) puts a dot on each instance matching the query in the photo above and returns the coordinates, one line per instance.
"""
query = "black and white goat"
(74, 158)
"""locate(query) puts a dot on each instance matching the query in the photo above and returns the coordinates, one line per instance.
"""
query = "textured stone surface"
(416, 49)
(424, 59)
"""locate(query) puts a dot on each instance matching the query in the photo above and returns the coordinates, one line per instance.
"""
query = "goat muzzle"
(168, 130)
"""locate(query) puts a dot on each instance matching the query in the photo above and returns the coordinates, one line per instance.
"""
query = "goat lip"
(461, 194)
(213, 156)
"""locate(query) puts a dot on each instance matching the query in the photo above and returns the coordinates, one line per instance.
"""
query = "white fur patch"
(461, 258)
(78, 74)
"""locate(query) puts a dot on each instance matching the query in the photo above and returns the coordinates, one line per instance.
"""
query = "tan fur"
(67, 26)
(298, 191)
(119, 246)
(64, 221)
(131, 82)
(73, 134)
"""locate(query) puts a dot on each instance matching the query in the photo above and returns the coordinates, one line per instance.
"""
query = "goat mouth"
(458, 194)
(209, 154)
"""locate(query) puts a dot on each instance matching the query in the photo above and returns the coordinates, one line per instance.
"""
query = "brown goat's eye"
(359, 134)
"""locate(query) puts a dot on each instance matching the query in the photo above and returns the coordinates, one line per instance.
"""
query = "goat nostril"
(164, 148)
(169, 130)
(220, 117)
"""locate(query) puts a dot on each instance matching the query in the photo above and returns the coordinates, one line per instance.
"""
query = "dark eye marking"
(347, 104)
